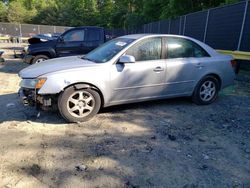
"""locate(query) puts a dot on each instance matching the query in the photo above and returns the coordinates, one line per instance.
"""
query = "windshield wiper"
(86, 58)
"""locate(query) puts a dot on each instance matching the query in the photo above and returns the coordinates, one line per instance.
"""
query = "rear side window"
(75, 35)
(183, 48)
(148, 49)
(93, 35)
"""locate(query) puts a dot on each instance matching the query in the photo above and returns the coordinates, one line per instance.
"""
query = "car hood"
(37, 43)
(53, 65)
(40, 39)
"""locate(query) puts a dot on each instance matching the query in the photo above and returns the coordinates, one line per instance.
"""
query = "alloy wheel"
(80, 104)
(207, 90)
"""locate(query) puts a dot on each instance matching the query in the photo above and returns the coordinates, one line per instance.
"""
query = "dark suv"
(76, 41)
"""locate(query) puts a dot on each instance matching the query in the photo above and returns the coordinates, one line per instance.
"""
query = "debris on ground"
(81, 168)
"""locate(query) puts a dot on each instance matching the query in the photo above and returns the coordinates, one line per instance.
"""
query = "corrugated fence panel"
(29, 30)
(3, 30)
(47, 29)
(154, 27)
(147, 28)
(10, 29)
(224, 26)
(182, 25)
(61, 29)
(164, 26)
(195, 25)
(245, 42)
(119, 32)
(175, 26)
(140, 29)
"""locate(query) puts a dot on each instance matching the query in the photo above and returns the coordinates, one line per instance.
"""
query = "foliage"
(107, 13)
(3, 12)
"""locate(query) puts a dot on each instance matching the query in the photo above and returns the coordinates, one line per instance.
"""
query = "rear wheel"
(206, 91)
(39, 59)
(79, 105)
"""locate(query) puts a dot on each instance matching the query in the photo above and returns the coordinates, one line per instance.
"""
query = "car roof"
(138, 36)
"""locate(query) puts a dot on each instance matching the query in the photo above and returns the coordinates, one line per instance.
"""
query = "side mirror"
(127, 59)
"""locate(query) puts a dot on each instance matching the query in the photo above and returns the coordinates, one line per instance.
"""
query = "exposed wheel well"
(217, 77)
(84, 85)
(43, 53)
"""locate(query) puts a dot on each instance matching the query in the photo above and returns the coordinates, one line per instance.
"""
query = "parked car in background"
(80, 40)
(127, 69)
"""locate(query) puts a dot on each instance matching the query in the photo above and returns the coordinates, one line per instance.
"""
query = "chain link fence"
(28, 30)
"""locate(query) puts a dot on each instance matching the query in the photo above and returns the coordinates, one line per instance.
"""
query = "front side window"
(183, 48)
(72, 36)
(148, 49)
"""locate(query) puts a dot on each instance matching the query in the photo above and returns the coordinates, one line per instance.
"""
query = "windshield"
(108, 50)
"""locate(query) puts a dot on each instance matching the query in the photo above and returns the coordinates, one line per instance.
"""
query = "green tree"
(106, 13)
(16, 12)
(3, 12)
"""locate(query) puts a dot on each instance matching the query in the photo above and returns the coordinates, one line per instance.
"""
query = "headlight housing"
(36, 83)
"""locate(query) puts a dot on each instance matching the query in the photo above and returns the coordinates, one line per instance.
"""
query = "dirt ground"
(166, 143)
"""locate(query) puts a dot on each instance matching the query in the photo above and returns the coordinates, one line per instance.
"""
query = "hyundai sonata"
(128, 69)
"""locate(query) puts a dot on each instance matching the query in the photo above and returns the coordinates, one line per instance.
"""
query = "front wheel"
(39, 59)
(79, 105)
(206, 91)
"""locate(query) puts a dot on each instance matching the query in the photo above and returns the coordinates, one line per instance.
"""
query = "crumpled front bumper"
(27, 96)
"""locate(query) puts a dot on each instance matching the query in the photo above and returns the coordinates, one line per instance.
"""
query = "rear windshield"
(108, 50)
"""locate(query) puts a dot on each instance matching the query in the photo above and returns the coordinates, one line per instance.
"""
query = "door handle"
(199, 65)
(158, 69)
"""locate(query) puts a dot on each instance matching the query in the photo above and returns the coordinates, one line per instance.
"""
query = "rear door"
(185, 64)
(71, 43)
(143, 79)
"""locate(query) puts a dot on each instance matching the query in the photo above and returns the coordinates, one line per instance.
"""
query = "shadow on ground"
(166, 143)
(12, 66)
(153, 144)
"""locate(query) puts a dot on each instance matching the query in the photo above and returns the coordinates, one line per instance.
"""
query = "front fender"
(43, 50)
(81, 78)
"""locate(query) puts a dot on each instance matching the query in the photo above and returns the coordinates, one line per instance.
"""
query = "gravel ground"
(166, 143)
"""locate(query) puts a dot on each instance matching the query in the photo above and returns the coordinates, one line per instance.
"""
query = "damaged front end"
(29, 95)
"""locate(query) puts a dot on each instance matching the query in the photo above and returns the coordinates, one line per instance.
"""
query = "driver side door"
(143, 79)
(71, 43)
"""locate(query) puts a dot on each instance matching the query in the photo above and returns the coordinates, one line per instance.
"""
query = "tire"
(79, 105)
(206, 91)
(39, 58)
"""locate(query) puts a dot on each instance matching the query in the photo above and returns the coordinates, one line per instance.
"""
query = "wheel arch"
(85, 85)
(209, 74)
(43, 53)
(215, 76)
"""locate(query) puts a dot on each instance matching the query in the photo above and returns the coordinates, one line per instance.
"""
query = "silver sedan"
(128, 69)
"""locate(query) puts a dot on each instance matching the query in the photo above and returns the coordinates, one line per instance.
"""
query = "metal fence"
(27, 30)
(226, 27)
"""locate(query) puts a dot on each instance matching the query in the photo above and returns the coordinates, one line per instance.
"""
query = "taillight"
(233, 63)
